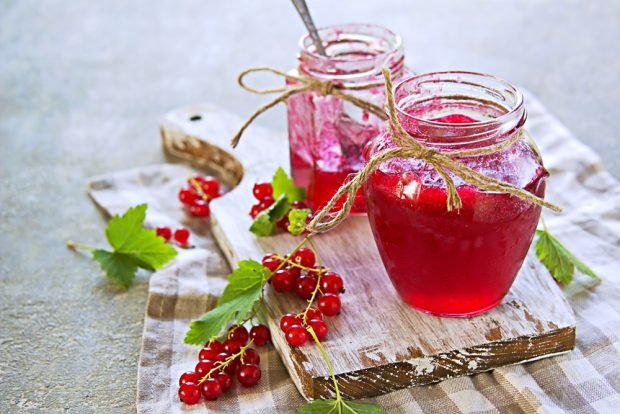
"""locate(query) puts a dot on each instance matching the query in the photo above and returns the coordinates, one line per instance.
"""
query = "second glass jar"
(460, 262)
(327, 135)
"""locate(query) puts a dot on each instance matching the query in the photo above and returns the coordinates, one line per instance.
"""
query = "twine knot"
(324, 87)
(300, 84)
(443, 162)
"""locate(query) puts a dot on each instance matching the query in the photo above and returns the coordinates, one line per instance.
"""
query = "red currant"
(266, 202)
(203, 367)
(215, 345)
(320, 328)
(331, 283)
(296, 335)
(211, 389)
(187, 195)
(231, 346)
(304, 257)
(190, 376)
(283, 223)
(181, 236)
(199, 208)
(298, 205)
(189, 393)
(283, 281)
(224, 379)
(271, 263)
(207, 354)
(260, 334)
(248, 375)
(262, 190)
(238, 334)
(250, 357)
(329, 304)
(294, 271)
(255, 210)
(313, 313)
(305, 287)
(222, 356)
(289, 320)
(210, 186)
(196, 178)
(164, 232)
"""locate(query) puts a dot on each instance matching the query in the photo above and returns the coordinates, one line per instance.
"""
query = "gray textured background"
(84, 83)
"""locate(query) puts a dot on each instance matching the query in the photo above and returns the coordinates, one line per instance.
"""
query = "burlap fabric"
(586, 380)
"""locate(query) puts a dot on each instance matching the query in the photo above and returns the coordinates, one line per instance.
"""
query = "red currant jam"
(459, 263)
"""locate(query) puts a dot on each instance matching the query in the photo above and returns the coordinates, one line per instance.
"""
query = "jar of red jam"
(327, 135)
(455, 263)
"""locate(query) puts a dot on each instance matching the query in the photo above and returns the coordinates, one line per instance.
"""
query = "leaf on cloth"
(133, 247)
(560, 262)
(244, 290)
(118, 267)
(340, 407)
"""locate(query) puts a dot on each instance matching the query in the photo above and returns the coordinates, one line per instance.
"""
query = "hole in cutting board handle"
(195, 118)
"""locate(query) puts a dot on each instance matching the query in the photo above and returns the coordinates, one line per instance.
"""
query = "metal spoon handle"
(302, 9)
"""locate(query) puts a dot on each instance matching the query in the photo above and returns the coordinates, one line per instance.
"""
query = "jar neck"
(459, 110)
(355, 54)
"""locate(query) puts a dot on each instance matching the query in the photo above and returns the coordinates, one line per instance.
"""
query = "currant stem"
(284, 261)
(326, 359)
(292, 263)
(78, 246)
(318, 279)
(198, 189)
(223, 364)
(542, 220)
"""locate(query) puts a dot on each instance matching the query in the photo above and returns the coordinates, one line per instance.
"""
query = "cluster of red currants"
(180, 236)
(219, 362)
(197, 194)
(312, 283)
(263, 193)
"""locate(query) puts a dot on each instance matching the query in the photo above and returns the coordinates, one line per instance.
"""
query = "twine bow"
(303, 84)
(442, 162)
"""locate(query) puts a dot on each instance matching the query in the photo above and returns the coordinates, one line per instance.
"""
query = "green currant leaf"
(133, 247)
(118, 267)
(244, 290)
(340, 407)
(265, 223)
(127, 235)
(210, 324)
(121, 229)
(262, 225)
(248, 278)
(560, 262)
(297, 220)
(284, 185)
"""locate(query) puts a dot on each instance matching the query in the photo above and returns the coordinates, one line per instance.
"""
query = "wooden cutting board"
(378, 344)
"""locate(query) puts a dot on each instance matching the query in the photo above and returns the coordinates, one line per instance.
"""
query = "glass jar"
(326, 134)
(463, 262)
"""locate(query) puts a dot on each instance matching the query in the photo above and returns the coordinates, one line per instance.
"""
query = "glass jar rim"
(305, 41)
(452, 76)
(356, 54)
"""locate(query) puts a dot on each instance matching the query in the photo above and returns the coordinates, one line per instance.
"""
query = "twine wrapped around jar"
(442, 162)
(304, 84)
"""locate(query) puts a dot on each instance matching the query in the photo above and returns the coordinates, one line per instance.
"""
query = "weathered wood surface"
(378, 344)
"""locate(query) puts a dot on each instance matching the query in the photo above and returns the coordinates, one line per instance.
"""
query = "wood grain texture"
(378, 344)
